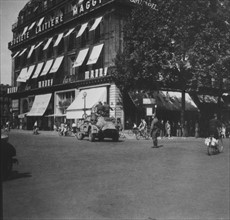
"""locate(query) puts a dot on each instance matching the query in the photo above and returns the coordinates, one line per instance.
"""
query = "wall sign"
(85, 6)
(147, 2)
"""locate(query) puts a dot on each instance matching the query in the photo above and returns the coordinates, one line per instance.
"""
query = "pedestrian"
(178, 129)
(196, 129)
(154, 130)
(162, 130)
(168, 129)
(106, 109)
(74, 128)
(99, 108)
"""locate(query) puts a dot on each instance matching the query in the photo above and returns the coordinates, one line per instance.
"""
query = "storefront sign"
(45, 26)
(149, 111)
(15, 104)
(20, 38)
(147, 2)
(85, 6)
(149, 101)
(49, 24)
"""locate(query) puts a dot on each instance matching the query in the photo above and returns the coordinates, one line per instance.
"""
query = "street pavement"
(64, 178)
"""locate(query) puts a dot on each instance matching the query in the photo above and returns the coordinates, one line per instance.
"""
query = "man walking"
(154, 130)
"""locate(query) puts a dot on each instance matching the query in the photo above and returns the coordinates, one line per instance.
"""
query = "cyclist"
(215, 128)
(142, 126)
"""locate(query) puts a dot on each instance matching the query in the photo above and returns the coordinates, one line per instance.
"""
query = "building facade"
(5, 105)
(62, 49)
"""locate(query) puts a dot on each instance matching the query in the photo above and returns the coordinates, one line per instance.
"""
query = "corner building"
(63, 53)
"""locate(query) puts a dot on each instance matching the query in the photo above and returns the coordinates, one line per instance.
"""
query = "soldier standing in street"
(154, 130)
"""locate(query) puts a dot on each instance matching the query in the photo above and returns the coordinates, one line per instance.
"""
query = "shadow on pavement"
(16, 175)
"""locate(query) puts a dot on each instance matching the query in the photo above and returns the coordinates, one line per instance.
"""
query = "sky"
(8, 16)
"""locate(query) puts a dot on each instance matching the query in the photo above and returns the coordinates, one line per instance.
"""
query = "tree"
(182, 45)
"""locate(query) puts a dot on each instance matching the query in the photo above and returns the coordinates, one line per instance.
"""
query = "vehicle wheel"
(221, 149)
(100, 138)
(91, 136)
(210, 150)
(147, 136)
(130, 133)
(116, 138)
(138, 135)
(79, 136)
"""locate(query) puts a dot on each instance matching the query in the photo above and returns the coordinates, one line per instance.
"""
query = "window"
(85, 37)
(72, 41)
(61, 46)
(70, 65)
(50, 50)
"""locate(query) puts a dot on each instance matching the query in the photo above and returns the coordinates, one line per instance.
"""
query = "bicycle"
(213, 146)
(133, 131)
(142, 135)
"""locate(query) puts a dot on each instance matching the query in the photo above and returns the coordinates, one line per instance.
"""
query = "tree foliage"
(182, 44)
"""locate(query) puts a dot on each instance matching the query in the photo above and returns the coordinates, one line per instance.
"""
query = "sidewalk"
(126, 134)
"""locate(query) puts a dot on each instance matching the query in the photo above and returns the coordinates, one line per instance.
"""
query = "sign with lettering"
(49, 24)
(80, 8)
(149, 101)
(39, 28)
(147, 2)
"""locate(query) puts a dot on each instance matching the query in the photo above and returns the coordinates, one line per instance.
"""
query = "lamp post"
(84, 97)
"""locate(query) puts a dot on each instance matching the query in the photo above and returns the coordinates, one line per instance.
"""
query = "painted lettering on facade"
(147, 2)
(45, 26)
(20, 38)
(85, 6)
(49, 24)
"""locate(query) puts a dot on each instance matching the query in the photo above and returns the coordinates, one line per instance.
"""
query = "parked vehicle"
(9, 156)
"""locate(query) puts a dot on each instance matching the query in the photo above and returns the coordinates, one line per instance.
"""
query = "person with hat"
(154, 130)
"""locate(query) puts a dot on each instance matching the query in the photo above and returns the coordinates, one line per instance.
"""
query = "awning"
(38, 45)
(166, 100)
(31, 51)
(16, 54)
(95, 54)
(22, 115)
(48, 43)
(96, 23)
(22, 75)
(82, 29)
(81, 57)
(32, 25)
(40, 105)
(69, 32)
(56, 64)
(22, 52)
(25, 29)
(175, 99)
(40, 21)
(30, 71)
(38, 70)
(47, 67)
(58, 39)
(94, 95)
